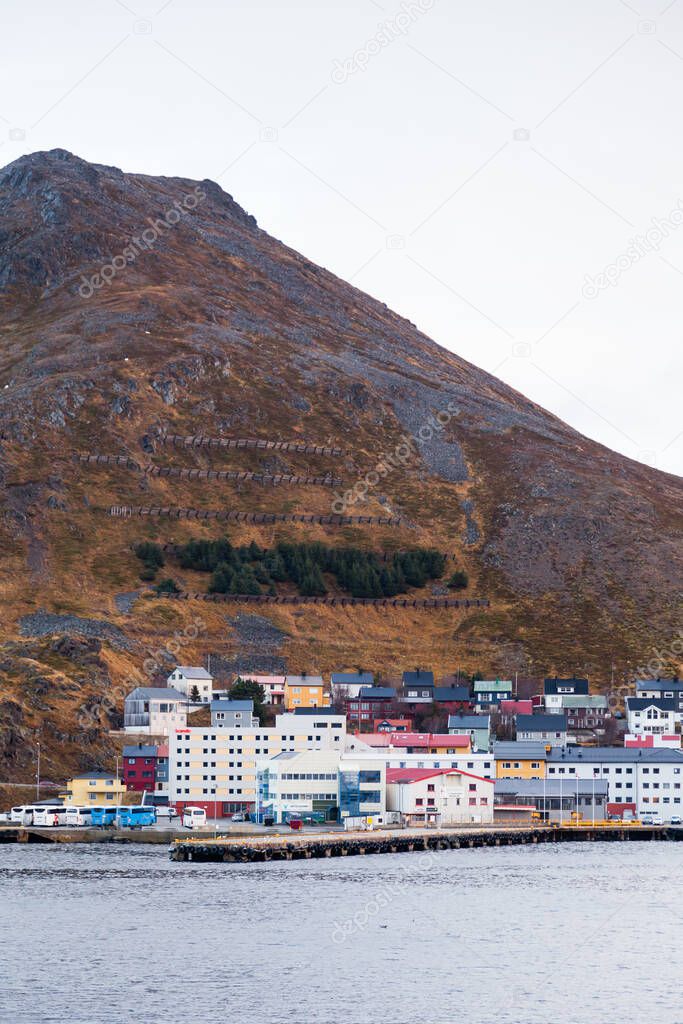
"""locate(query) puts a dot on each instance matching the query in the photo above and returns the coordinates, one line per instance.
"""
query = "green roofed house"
(488, 693)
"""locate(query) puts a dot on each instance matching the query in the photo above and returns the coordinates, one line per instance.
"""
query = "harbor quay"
(240, 850)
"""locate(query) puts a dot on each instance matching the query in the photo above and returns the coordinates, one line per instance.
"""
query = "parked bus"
(53, 816)
(22, 814)
(136, 816)
(194, 817)
(79, 816)
(100, 816)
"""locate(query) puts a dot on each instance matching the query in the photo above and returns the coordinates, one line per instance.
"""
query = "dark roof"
(376, 693)
(541, 723)
(94, 775)
(419, 678)
(469, 721)
(662, 703)
(656, 755)
(524, 750)
(140, 750)
(232, 705)
(156, 692)
(446, 693)
(579, 685)
(314, 711)
(660, 684)
(352, 678)
(552, 787)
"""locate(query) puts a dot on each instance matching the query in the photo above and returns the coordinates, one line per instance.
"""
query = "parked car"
(656, 819)
(238, 817)
(4, 817)
(675, 819)
(166, 811)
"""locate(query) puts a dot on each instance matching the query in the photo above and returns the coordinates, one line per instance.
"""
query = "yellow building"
(94, 788)
(305, 692)
(520, 760)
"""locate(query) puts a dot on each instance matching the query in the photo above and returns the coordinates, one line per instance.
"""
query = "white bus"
(80, 816)
(49, 817)
(21, 815)
(194, 817)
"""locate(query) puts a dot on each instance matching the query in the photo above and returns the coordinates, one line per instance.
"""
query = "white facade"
(441, 797)
(651, 720)
(208, 764)
(184, 678)
(479, 762)
(294, 785)
(652, 779)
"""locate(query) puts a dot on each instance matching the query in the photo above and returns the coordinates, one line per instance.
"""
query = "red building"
(139, 768)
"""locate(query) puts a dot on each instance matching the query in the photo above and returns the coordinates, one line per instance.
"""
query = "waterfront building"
(362, 787)
(556, 799)
(233, 714)
(139, 768)
(550, 729)
(154, 711)
(439, 796)
(190, 678)
(215, 768)
(395, 757)
(652, 715)
(94, 788)
(477, 727)
(302, 784)
(520, 760)
(651, 778)
(305, 692)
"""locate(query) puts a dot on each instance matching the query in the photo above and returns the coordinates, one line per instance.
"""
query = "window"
(419, 801)
(430, 788)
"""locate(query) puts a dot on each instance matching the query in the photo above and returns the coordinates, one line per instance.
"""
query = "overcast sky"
(507, 175)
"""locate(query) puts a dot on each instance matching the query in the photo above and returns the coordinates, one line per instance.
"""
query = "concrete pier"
(237, 850)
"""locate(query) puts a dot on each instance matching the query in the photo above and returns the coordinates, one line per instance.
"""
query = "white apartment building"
(215, 768)
(185, 678)
(649, 777)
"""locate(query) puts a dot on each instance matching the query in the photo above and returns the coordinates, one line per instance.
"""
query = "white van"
(194, 817)
(49, 817)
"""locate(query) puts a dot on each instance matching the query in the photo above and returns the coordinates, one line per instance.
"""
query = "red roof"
(516, 707)
(415, 739)
(419, 774)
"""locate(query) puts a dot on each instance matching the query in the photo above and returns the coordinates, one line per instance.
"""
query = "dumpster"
(295, 823)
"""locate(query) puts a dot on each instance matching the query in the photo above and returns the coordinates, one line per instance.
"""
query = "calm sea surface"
(575, 933)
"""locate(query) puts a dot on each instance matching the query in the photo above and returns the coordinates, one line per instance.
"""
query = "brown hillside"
(215, 328)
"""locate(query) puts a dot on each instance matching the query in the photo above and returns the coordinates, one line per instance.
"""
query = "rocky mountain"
(133, 307)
